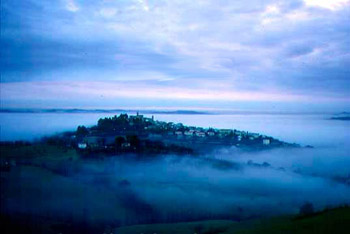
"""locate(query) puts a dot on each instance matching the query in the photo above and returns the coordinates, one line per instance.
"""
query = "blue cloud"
(263, 46)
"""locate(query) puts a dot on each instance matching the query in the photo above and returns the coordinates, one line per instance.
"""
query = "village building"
(255, 135)
(179, 134)
(266, 141)
(82, 145)
(93, 141)
(189, 133)
(149, 120)
(225, 132)
(125, 145)
(211, 132)
(200, 134)
(136, 118)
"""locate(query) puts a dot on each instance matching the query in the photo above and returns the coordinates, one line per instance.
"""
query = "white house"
(255, 135)
(125, 145)
(211, 133)
(266, 141)
(225, 131)
(82, 145)
(189, 133)
(200, 134)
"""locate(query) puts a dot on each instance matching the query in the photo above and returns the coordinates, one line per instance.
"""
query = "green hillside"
(330, 221)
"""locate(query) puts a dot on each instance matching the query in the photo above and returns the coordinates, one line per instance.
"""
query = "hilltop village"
(136, 133)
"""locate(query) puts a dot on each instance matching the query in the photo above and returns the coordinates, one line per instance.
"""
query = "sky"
(208, 54)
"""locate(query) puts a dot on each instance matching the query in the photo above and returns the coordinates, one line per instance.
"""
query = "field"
(330, 221)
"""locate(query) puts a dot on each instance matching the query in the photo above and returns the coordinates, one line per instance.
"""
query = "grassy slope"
(51, 158)
(35, 151)
(331, 221)
(212, 226)
(41, 196)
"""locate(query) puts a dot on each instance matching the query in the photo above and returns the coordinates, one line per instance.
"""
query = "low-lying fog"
(226, 184)
(229, 183)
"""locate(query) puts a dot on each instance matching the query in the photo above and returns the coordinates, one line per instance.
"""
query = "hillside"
(330, 221)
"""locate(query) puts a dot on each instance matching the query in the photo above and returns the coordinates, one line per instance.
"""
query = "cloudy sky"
(290, 54)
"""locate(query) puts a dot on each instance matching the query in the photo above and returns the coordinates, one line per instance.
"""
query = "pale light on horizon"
(329, 4)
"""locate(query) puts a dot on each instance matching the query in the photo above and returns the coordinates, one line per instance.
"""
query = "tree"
(134, 141)
(306, 209)
(105, 124)
(82, 131)
(119, 141)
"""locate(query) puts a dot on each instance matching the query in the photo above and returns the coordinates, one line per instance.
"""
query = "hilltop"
(139, 134)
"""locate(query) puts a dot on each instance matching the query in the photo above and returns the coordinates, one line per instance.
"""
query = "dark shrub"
(306, 209)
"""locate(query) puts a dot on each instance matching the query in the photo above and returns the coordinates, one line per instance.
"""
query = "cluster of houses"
(223, 133)
(193, 132)
(101, 142)
(148, 128)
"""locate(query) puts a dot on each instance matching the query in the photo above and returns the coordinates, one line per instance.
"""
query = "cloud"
(331, 5)
(247, 47)
(158, 91)
(71, 6)
(158, 88)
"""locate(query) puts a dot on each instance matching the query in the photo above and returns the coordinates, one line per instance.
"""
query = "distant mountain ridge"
(165, 111)
(341, 116)
(76, 110)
